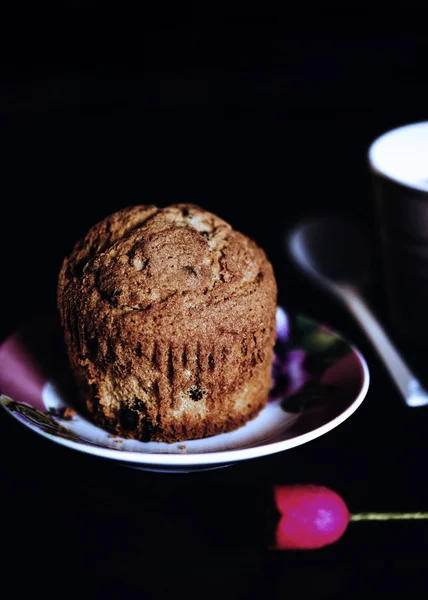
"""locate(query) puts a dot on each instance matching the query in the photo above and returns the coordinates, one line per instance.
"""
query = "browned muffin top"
(175, 260)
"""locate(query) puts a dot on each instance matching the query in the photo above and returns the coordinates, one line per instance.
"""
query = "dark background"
(262, 125)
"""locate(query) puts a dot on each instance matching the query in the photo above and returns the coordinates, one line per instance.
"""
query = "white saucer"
(321, 380)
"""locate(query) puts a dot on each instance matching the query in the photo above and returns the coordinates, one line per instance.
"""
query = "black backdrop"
(255, 125)
(263, 127)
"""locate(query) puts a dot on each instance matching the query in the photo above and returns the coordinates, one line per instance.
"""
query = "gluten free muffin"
(169, 322)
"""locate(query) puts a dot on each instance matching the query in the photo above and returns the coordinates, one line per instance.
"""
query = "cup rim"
(375, 154)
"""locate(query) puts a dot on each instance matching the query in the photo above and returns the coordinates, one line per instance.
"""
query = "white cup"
(398, 161)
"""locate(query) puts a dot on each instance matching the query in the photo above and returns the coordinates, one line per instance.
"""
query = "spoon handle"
(406, 382)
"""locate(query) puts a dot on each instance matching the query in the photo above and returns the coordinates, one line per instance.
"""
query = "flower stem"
(373, 516)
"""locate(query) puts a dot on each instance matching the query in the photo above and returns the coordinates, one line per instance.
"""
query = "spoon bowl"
(332, 251)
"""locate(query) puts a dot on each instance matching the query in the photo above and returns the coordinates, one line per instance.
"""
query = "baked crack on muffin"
(169, 322)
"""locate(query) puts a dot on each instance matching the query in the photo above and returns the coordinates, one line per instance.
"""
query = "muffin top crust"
(179, 264)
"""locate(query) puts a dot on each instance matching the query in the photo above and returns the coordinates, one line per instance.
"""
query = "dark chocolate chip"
(195, 393)
(128, 418)
(139, 404)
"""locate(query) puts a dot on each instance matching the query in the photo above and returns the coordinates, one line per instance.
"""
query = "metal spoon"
(335, 255)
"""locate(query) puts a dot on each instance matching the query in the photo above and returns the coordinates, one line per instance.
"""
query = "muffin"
(169, 323)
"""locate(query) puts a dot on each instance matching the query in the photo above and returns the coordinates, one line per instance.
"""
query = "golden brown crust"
(169, 321)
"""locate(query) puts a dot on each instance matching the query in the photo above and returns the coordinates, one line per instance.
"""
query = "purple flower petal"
(289, 374)
(282, 325)
(298, 375)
